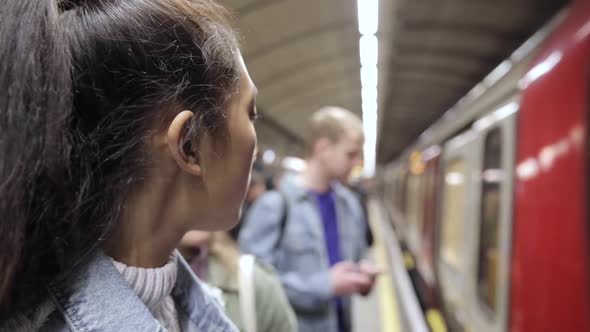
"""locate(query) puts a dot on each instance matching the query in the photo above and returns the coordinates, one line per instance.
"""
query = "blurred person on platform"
(256, 188)
(252, 295)
(312, 229)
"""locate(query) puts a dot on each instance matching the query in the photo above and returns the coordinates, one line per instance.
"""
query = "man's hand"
(371, 271)
(347, 279)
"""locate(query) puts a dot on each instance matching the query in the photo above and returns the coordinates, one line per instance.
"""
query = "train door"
(414, 211)
(389, 185)
(488, 279)
(430, 207)
(456, 212)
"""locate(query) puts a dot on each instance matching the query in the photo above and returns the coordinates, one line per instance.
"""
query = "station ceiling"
(304, 54)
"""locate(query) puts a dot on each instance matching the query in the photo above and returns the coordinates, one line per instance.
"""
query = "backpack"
(284, 218)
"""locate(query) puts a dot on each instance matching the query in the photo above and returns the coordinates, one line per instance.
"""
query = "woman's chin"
(231, 224)
(219, 223)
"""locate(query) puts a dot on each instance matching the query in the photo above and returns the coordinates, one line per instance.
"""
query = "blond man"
(312, 230)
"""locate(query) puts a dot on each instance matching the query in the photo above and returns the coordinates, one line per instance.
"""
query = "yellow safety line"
(409, 260)
(436, 321)
(390, 321)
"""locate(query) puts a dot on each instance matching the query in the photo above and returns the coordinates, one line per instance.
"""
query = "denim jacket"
(93, 296)
(301, 258)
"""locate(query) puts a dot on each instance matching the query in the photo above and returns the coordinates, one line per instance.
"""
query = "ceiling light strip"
(368, 15)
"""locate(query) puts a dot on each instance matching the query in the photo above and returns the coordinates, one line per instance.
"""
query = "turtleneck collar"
(151, 285)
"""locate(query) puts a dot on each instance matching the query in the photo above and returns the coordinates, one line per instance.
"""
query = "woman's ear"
(182, 143)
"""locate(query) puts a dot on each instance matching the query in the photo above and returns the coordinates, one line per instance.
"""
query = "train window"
(414, 213)
(430, 211)
(399, 192)
(453, 214)
(405, 193)
(489, 216)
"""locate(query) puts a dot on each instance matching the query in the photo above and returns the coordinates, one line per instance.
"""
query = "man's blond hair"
(332, 122)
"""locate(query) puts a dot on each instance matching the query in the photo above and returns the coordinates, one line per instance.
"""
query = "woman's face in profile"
(227, 167)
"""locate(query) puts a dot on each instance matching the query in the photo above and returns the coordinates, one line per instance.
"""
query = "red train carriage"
(492, 200)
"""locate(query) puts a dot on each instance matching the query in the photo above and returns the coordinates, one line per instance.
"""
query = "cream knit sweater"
(153, 287)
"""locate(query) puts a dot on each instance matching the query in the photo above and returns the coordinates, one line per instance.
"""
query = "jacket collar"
(93, 296)
(293, 187)
(195, 301)
(86, 295)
